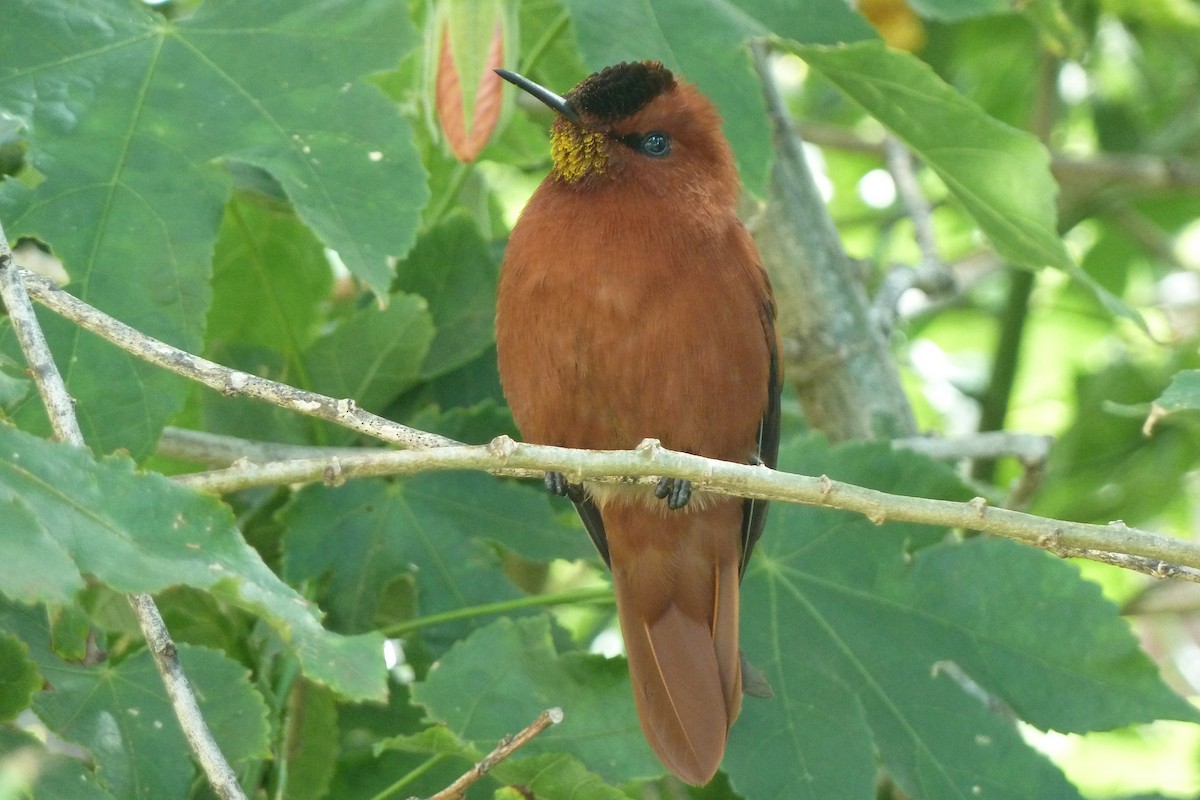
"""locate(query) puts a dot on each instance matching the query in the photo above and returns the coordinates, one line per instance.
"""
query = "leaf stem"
(461, 172)
(424, 767)
(595, 594)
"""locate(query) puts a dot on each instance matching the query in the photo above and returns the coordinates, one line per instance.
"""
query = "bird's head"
(634, 122)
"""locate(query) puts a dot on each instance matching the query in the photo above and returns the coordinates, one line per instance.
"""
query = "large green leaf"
(121, 713)
(429, 530)
(882, 640)
(707, 43)
(375, 354)
(32, 771)
(143, 533)
(19, 677)
(499, 679)
(454, 269)
(132, 116)
(552, 776)
(1001, 175)
(36, 567)
(270, 278)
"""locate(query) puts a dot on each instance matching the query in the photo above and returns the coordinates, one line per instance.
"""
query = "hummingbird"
(633, 304)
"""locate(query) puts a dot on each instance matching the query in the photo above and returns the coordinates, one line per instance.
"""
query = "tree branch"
(1081, 175)
(1142, 550)
(508, 745)
(1113, 543)
(838, 357)
(344, 412)
(61, 410)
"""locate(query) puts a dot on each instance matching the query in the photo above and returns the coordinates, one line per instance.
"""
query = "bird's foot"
(676, 491)
(556, 484)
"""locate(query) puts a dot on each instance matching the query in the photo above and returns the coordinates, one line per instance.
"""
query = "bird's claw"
(676, 491)
(556, 483)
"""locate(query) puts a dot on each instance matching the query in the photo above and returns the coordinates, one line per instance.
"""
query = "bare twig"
(839, 361)
(900, 165)
(1028, 448)
(931, 275)
(1083, 174)
(66, 428)
(650, 460)
(506, 457)
(508, 745)
(46, 377)
(221, 450)
(343, 411)
(221, 776)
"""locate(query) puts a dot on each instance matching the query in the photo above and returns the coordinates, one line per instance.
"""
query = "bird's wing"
(754, 512)
(590, 514)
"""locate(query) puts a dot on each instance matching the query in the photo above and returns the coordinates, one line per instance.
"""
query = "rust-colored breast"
(614, 325)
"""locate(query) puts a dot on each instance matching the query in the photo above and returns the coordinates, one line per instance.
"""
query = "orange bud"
(472, 41)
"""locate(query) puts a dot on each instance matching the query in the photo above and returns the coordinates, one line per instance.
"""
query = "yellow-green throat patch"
(577, 153)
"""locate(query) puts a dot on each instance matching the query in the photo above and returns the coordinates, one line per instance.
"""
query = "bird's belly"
(630, 357)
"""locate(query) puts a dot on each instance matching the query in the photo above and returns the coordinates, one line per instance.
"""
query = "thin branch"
(931, 275)
(32, 341)
(649, 460)
(839, 361)
(221, 776)
(221, 450)
(61, 410)
(900, 165)
(1082, 174)
(642, 465)
(230, 382)
(505, 457)
(1027, 448)
(508, 745)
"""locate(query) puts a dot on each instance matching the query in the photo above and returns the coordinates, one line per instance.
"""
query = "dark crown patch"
(621, 90)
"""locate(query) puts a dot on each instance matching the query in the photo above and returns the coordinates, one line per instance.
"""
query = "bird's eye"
(656, 144)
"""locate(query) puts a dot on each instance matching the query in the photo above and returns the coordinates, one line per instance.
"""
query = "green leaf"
(374, 355)
(514, 673)
(142, 533)
(954, 10)
(120, 711)
(1183, 394)
(892, 640)
(549, 777)
(556, 776)
(706, 42)
(454, 269)
(435, 741)
(121, 714)
(14, 385)
(32, 771)
(369, 534)
(365, 770)
(1101, 465)
(312, 741)
(1001, 175)
(133, 117)
(35, 567)
(270, 277)
(19, 677)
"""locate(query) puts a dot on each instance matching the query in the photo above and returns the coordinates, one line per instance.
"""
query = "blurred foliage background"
(297, 189)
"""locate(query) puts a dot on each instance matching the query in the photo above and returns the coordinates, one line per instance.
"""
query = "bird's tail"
(676, 579)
